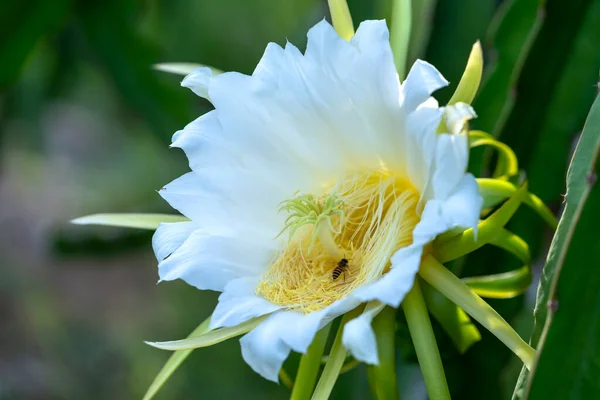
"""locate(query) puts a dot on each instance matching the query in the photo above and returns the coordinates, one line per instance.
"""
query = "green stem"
(309, 366)
(426, 347)
(335, 361)
(384, 374)
(454, 289)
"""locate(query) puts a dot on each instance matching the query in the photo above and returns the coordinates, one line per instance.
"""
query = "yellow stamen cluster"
(365, 219)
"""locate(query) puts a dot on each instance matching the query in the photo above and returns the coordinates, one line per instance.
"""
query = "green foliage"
(512, 32)
(564, 337)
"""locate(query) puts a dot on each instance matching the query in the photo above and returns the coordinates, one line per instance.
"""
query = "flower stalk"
(336, 359)
(309, 366)
(453, 288)
(425, 344)
(384, 374)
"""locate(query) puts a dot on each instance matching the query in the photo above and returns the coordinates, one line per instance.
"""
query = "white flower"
(313, 158)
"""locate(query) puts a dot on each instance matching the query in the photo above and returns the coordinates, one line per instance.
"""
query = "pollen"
(364, 219)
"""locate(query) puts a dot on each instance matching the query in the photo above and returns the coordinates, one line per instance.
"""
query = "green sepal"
(501, 286)
(183, 68)
(507, 284)
(470, 240)
(209, 338)
(174, 362)
(454, 289)
(469, 82)
(508, 165)
(139, 221)
(495, 191)
(453, 320)
(341, 18)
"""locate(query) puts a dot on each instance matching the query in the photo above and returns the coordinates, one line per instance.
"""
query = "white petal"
(269, 344)
(209, 261)
(421, 140)
(199, 80)
(422, 80)
(169, 237)
(451, 158)
(264, 350)
(227, 199)
(359, 338)
(373, 40)
(391, 288)
(239, 303)
(463, 207)
(270, 63)
(204, 143)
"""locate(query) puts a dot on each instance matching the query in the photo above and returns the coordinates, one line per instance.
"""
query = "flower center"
(340, 241)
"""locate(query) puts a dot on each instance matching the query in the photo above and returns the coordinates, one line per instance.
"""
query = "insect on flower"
(341, 268)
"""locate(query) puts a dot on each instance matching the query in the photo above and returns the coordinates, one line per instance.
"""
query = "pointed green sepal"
(469, 82)
(501, 286)
(209, 338)
(183, 68)
(507, 166)
(495, 191)
(341, 18)
(174, 362)
(507, 284)
(454, 321)
(470, 240)
(454, 289)
(139, 221)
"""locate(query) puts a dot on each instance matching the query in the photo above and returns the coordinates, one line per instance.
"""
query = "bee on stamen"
(341, 268)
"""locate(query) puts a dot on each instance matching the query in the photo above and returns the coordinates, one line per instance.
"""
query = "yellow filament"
(378, 214)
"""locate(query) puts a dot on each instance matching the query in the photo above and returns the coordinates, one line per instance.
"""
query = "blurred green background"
(85, 125)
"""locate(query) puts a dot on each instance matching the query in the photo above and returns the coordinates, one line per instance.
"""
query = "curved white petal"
(264, 350)
(209, 261)
(203, 142)
(199, 80)
(451, 158)
(463, 207)
(269, 344)
(359, 338)
(238, 303)
(169, 237)
(391, 288)
(422, 80)
(421, 141)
